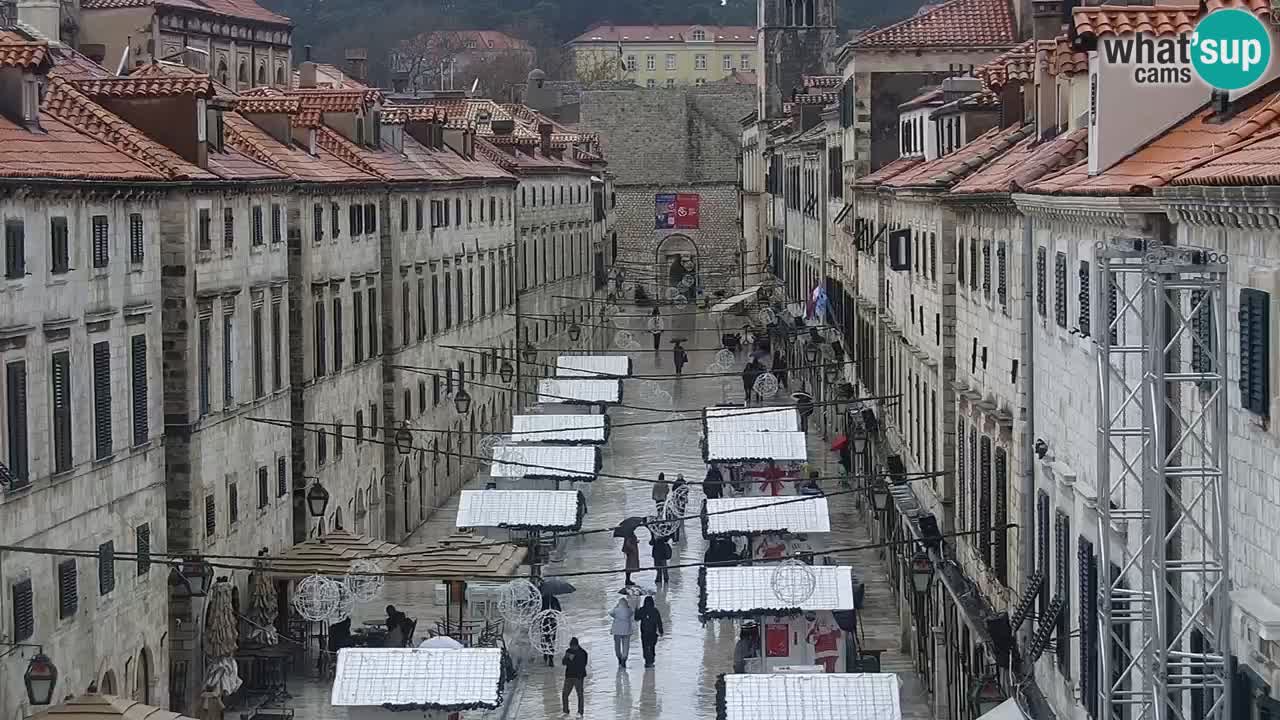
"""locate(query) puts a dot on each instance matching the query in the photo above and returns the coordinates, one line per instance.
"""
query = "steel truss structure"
(1163, 609)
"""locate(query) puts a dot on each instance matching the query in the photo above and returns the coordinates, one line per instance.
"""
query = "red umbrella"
(840, 442)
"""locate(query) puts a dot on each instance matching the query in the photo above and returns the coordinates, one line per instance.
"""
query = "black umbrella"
(557, 586)
(628, 526)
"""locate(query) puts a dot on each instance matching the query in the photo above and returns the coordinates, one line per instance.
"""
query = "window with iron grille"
(335, 220)
(1089, 645)
(355, 220)
(422, 396)
(986, 268)
(228, 228)
(264, 486)
(1042, 548)
(357, 321)
(962, 479)
(961, 267)
(136, 251)
(15, 249)
(1002, 273)
(984, 517)
(974, 485)
(974, 271)
(317, 222)
(210, 516)
(277, 229)
(337, 332)
(1255, 351)
(933, 252)
(1000, 535)
(16, 423)
(138, 388)
(405, 314)
(338, 430)
(282, 477)
(61, 373)
(257, 236)
(101, 241)
(1060, 289)
(206, 365)
(233, 502)
(228, 356)
(321, 349)
(142, 546)
(1202, 341)
(1041, 292)
(59, 246)
(102, 399)
(68, 590)
(1085, 298)
(24, 615)
(372, 307)
(106, 567)
(457, 290)
(1062, 559)
(435, 303)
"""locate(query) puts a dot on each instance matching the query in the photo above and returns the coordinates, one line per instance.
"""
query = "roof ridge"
(251, 147)
(880, 32)
(345, 150)
(1001, 143)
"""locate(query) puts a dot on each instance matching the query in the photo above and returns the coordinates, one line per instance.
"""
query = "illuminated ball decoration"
(519, 601)
(766, 386)
(364, 580)
(316, 597)
(726, 358)
(793, 582)
(549, 632)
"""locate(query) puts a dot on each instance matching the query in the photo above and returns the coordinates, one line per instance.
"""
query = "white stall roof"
(767, 514)
(580, 391)
(825, 696)
(435, 679)
(730, 303)
(551, 461)
(752, 419)
(593, 366)
(734, 446)
(558, 428)
(741, 591)
(554, 509)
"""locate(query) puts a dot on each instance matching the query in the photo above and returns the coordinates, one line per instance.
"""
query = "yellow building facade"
(664, 55)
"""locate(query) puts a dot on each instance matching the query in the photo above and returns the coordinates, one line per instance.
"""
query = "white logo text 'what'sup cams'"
(1171, 60)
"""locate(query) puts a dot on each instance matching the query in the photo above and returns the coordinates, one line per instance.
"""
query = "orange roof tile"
(945, 171)
(897, 167)
(1254, 162)
(957, 23)
(399, 115)
(146, 86)
(447, 165)
(1060, 58)
(1026, 162)
(1157, 20)
(1184, 147)
(332, 101)
(18, 50)
(282, 105)
(231, 164)
(62, 152)
(243, 9)
(299, 164)
(1015, 64)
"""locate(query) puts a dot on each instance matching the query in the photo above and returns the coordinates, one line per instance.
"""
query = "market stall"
(543, 467)
(580, 392)
(804, 696)
(758, 463)
(720, 418)
(593, 366)
(560, 429)
(383, 683)
(530, 517)
(766, 527)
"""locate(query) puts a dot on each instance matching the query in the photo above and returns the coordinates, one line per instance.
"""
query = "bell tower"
(794, 38)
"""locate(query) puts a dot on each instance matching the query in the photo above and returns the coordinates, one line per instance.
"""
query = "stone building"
(81, 436)
(664, 142)
(795, 38)
(663, 56)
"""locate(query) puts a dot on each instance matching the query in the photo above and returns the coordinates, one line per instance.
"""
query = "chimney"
(307, 72)
(45, 16)
(358, 63)
(544, 129)
(1047, 18)
(1011, 104)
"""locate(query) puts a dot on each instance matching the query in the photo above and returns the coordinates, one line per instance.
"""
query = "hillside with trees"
(331, 26)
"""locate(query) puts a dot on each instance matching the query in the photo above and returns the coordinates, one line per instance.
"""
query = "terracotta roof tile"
(284, 104)
(333, 101)
(18, 50)
(231, 164)
(945, 171)
(1255, 162)
(243, 9)
(299, 164)
(1015, 64)
(932, 96)
(893, 169)
(957, 23)
(1060, 58)
(1156, 20)
(146, 86)
(63, 152)
(1026, 162)
(664, 33)
(399, 115)
(448, 165)
(385, 163)
(1184, 147)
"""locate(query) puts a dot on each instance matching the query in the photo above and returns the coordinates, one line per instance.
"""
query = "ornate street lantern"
(506, 371)
(921, 572)
(529, 353)
(41, 678)
(575, 332)
(404, 439)
(987, 694)
(831, 372)
(191, 577)
(810, 353)
(858, 436)
(880, 496)
(462, 401)
(317, 500)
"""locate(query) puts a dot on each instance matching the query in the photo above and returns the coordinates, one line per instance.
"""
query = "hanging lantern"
(575, 332)
(191, 577)
(921, 572)
(462, 401)
(529, 353)
(506, 371)
(987, 694)
(404, 439)
(831, 372)
(810, 353)
(859, 439)
(880, 496)
(317, 500)
(41, 678)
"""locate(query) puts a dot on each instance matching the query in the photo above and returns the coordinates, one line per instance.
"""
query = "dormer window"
(31, 102)
(375, 141)
(698, 35)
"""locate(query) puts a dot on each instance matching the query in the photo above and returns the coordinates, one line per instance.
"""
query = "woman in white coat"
(623, 625)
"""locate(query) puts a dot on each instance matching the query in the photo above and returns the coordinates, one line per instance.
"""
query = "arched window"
(808, 13)
(789, 14)
(242, 73)
(262, 75)
(222, 71)
(280, 75)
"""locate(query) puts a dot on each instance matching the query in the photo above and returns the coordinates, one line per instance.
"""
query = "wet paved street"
(690, 656)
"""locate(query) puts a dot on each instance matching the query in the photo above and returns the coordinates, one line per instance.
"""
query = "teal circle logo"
(1231, 49)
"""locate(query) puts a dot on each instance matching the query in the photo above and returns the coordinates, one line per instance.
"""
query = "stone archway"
(142, 678)
(108, 684)
(676, 257)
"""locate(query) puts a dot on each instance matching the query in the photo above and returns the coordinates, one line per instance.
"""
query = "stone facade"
(793, 40)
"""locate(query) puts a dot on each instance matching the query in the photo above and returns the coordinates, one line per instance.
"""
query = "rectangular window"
(228, 358)
(1062, 588)
(322, 448)
(24, 616)
(960, 260)
(435, 390)
(259, 378)
(631, 63)
(482, 289)
(1202, 337)
(277, 331)
(282, 477)
(974, 269)
(1084, 298)
(417, 214)
(435, 303)
(650, 62)
(337, 332)
(135, 238)
(233, 502)
(671, 61)
(206, 367)
(422, 396)
(277, 230)
(210, 516)
(370, 218)
(404, 215)
(1060, 289)
(228, 228)
(357, 321)
(15, 249)
(744, 62)
(699, 62)
(321, 347)
(1255, 351)
(355, 220)
(372, 302)
(59, 246)
(1041, 293)
(1000, 534)
(68, 590)
(457, 289)
(726, 63)
(422, 309)
(448, 299)
(317, 222)
(984, 502)
(142, 545)
(1002, 274)
(335, 220)
(106, 567)
(138, 383)
(264, 487)
(61, 376)
(405, 314)
(15, 395)
(255, 229)
(101, 241)
(359, 426)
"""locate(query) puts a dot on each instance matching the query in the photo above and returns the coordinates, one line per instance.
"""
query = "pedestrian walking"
(679, 357)
(549, 602)
(661, 554)
(575, 669)
(650, 629)
(631, 551)
(623, 625)
(780, 369)
(713, 485)
(660, 490)
(657, 334)
(748, 646)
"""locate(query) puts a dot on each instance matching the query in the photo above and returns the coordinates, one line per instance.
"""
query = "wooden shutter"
(1062, 558)
(210, 516)
(962, 480)
(61, 370)
(986, 268)
(1085, 297)
(106, 567)
(357, 319)
(1201, 332)
(1002, 274)
(317, 222)
(24, 616)
(15, 250)
(16, 422)
(205, 221)
(422, 309)
(228, 228)
(264, 487)
(1088, 569)
(1060, 289)
(1041, 293)
(1000, 549)
(277, 323)
(142, 542)
(228, 357)
(1042, 548)
(372, 308)
(405, 314)
(59, 246)
(256, 230)
(101, 250)
(435, 304)
(68, 592)
(1255, 350)
(320, 350)
(337, 332)
(277, 230)
(974, 499)
(102, 399)
(984, 512)
(259, 377)
(282, 477)
(370, 218)
(138, 388)
(136, 250)
(335, 220)
(1113, 307)
(206, 367)
(404, 215)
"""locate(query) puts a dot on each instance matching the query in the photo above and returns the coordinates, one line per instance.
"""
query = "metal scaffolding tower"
(1163, 609)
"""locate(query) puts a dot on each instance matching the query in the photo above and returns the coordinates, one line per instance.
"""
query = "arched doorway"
(108, 684)
(675, 265)
(337, 519)
(142, 678)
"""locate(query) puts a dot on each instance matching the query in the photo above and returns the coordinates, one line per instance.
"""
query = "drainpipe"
(1027, 371)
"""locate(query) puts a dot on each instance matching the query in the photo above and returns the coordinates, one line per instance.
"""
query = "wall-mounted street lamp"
(462, 401)
(575, 332)
(191, 577)
(880, 496)
(317, 500)
(921, 572)
(529, 353)
(404, 439)
(810, 353)
(506, 371)
(40, 679)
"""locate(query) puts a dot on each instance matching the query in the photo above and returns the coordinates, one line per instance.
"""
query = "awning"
(422, 678)
(1007, 710)
(105, 707)
(461, 556)
(782, 447)
(558, 462)
(804, 696)
(789, 514)
(593, 366)
(747, 591)
(750, 419)
(330, 554)
(520, 509)
(573, 391)
(591, 429)
(730, 303)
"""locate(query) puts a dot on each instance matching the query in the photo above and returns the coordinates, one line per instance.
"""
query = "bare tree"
(499, 73)
(428, 60)
(593, 66)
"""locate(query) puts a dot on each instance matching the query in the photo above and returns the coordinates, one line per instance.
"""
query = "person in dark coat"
(679, 357)
(780, 369)
(575, 671)
(650, 629)
(713, 485)
(549, 602)
(752, 371)
(657, 334)
(661, 554)
(631, 551)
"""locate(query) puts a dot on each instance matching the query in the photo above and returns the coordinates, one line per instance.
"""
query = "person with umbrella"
(650, 629)
(654, 327)
(549, 602)
(804, 406)
(660, 489)
(575, 670)
(679, 356)
(622, 627)
(631, 551)
(750, 372)
(661, 554)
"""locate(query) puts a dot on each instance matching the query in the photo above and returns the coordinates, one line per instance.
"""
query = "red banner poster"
(687, 211)
(777, 639)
